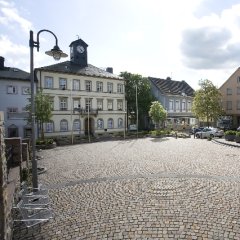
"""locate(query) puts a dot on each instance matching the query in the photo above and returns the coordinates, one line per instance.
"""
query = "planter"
(237, 139)
(230, 137)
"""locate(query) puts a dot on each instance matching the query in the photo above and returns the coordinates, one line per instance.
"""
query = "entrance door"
(90, 124)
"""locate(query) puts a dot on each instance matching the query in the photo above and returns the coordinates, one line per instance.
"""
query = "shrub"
(230, 132)
(237, 134)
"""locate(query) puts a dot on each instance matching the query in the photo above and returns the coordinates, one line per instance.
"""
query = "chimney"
(1, 63)
(109, 69)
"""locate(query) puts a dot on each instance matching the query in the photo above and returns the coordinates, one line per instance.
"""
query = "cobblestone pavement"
(141, 189)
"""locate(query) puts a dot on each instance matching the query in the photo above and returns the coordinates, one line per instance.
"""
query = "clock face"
(80, 49)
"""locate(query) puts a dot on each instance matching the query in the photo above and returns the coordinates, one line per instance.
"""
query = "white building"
(14, 95)
(85, 99)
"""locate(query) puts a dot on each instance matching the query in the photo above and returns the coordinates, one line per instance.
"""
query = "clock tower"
(78, 52)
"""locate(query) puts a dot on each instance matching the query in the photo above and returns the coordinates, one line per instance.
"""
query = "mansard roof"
(14, 74)
(69, 67)
(172, 87)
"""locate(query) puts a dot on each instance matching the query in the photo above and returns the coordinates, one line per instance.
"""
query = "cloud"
(9, 16)
(213, 42)
(16, 55)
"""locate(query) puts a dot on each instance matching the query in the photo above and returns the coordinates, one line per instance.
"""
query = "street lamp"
(56, 53)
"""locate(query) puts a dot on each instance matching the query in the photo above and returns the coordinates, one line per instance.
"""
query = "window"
(170, 105)
(109, 87)
(12, 89)
(238, 90)
(27, 131)
(177, 104)
(229, 105)
(12, 109)
(48, 82)
(49, 127)
(88, 104)
(26, 90)
(183, 106)
(120, 123)
(76, 103)
(51, 99)
(76, 125)
(88, 86)
(63, 104)
(99, 86)
(76, 85)
(100, 124)
(119, 104)
(238, 105)
(110, 123)
(110, 104)
(62, 83)
(99, 104)
(238, 79)
(12, 131)
(189, 106)
(229, 91)
(120, 88)
(63, 125)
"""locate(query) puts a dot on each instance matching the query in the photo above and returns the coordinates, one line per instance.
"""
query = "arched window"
(12, 131)
(49, 126)
(110, 123)
(76, 125)
(120, 123)
(100, 123)
(63, 125)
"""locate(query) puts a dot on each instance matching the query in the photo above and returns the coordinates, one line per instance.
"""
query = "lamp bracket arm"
(36, 44)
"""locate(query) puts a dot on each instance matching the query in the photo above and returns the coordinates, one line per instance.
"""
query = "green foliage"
(206, 103)
(230, 132)
(144, 95)
(157, 112)
(44, 142)
(237, 134)
(43, 110)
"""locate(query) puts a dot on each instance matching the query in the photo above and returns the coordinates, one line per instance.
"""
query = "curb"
(226, 144)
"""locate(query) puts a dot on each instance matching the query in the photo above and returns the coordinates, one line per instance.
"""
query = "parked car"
(238, 129)
(195, 130)
(209, 132)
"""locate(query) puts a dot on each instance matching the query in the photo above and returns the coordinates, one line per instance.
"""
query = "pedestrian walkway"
(152, 188)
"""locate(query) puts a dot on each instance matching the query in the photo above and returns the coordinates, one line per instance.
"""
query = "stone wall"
(5, 211)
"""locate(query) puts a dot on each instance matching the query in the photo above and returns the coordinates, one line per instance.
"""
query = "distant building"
(176, 97)
(14, 94)
(85, 99)
(230, 91)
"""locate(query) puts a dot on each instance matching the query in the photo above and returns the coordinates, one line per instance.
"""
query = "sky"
(188, 40)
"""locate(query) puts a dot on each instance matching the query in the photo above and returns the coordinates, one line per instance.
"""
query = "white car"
(210, 132)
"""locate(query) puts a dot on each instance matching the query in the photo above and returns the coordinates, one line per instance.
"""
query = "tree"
(157, 112)
(206, 103)
(43, 110)
(144, 95)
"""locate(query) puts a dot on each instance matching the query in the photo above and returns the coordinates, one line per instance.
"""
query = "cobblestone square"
(151, 188)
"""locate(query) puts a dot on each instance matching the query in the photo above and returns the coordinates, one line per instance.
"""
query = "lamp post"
(137, 108)
(56, 53)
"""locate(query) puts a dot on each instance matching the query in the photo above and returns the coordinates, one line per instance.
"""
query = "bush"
(237, 134)
(44, 142)
(230, 132)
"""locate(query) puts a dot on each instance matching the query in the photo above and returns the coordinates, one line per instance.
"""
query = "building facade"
(176, 97)
(230, 91)
(86, 100)
(14, 95)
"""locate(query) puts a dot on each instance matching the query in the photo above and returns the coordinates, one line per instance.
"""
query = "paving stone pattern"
(141, 189)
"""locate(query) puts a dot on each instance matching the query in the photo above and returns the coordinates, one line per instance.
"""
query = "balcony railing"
(86, 111)
(18, 115)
